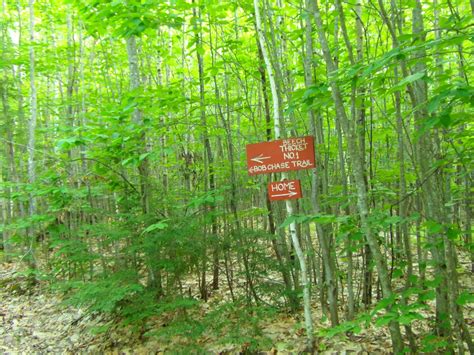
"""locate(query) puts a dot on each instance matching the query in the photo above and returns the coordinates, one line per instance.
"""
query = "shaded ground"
(35, 321)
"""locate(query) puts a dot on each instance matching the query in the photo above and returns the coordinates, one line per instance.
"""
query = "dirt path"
(35, 322)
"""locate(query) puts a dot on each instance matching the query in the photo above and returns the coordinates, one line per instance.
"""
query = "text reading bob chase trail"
(280, 155)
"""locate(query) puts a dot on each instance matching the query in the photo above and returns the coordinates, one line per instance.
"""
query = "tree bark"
(154, 275)
(289, 207)
(319, 184)
(209, 163)
(277, 241)
(31, 137)
(358, 172)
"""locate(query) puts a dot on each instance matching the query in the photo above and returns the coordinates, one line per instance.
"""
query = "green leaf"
(409, 317)
(384, 303)
(100, 329)
(68, 143)
(465, 298)
(155, 226)
(435, 102)
(427, 296)
(406, 81)
(143, 156)
(434, 227)
(129, 161)
(323, 219)
(289, 220)
(385, 319)
(397, 273)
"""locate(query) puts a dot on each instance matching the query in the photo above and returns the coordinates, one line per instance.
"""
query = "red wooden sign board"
(284, 190)
(280, 155)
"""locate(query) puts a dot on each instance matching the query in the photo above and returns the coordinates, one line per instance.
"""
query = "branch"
(112, 169)
(417, 186)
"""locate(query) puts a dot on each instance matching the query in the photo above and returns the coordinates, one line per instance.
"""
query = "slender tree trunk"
(289, 207)
(135, 84)
(209, 166)
(31, 136)
(21, 114)
(430, 201)
(358, 172)
(319, 185)
(154, 275)
(417, 94)
(225, 119)
(6, 206)
(402, 229)
(277, 242)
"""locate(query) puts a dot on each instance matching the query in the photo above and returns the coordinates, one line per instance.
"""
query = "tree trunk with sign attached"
(289, 207)
(277, 241)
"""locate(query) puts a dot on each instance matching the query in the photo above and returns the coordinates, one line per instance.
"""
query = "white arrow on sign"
(289, 194)
(260, 158)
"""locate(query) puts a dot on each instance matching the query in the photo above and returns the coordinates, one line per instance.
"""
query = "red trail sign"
(284, 190)
(280, 155)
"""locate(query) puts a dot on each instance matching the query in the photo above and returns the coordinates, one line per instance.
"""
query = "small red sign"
(280, 155)
(284, 190)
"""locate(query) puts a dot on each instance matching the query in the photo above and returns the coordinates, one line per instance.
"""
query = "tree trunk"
(154, 275)
(31, 138)
(358, 172)
(289, 207)
(209, 163)
(319, 184)
(277, 241)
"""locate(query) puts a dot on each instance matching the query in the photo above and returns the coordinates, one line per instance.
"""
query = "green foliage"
(406, 81)
(128, 18)
(354, 326)
(105, 294)
(262, 267)
(28, 222)
(320, 218)
(91, 235)
(465, 298)
(433, 343)
(155, 226)
(234, 324)
(314, 97)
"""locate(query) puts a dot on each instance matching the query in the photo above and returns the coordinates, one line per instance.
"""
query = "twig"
(417, 186)
(112, 169)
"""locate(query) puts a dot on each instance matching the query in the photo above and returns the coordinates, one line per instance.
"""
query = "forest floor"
(36, 321)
